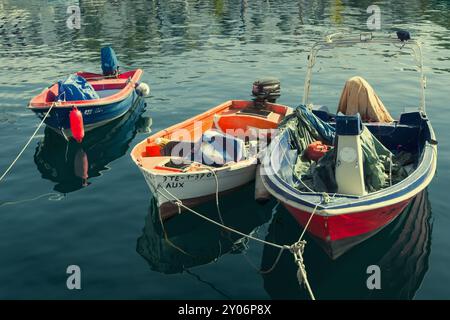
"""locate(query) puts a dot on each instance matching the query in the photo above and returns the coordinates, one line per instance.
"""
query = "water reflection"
(194, 54)
(401, 251)
(187, 241)
(70, 164)
(139, 26)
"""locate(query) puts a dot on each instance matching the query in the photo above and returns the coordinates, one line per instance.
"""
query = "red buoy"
(76, 124)
(316, 150)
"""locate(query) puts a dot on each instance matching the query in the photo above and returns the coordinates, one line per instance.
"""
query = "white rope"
(275, 263)
(223, 223)
(217, 192)
(390, 169)
(326, 199)
(28, 142)
(297, 249)
(277, 259)
(180, 204)
(51, 196)
(270, 269)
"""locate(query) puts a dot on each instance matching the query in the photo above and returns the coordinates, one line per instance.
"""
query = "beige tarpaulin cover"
(359, 96)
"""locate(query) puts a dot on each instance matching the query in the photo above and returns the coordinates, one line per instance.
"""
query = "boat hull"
(195, 188)
(337, 234)
(93, 115)
(342, 221)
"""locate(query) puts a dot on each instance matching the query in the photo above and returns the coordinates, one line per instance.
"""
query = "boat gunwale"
(119, 96)
(207, 114)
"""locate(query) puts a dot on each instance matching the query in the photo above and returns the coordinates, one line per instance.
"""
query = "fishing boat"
(212, 153)
(351, 213)
(87, 100)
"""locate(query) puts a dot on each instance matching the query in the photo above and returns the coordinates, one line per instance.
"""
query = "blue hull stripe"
(300, 198)
(59, 117)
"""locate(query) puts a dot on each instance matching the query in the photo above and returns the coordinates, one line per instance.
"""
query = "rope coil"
(297, 249)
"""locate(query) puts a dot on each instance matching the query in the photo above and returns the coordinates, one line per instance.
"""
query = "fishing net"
(382, 168)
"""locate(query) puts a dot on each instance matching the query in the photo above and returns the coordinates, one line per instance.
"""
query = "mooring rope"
(271, 268)
(297, 249)
(51, 196)
(166, 237)
(28, 142)
(217, 192)
(180, 204)
(229, 237)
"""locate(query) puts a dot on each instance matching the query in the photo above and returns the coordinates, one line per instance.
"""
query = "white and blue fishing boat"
(344, 214)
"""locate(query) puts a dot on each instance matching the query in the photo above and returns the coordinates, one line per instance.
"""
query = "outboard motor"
(266, 90)
(349, 157)
(110, 64)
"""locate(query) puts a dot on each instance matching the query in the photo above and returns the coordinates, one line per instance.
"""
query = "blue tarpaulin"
(326, 131)
(75, 88)
(110, 65)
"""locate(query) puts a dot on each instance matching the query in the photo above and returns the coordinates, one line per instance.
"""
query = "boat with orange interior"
(211, 153)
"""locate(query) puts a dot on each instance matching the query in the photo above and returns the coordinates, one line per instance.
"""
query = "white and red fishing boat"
(211, 153)
(349, 212)
(85, 100)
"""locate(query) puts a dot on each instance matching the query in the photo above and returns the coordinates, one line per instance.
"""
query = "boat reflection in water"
(401, 251)
(185, 241)
(70, 164)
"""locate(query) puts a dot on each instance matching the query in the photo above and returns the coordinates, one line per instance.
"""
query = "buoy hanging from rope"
(76, 124)
(143, 89)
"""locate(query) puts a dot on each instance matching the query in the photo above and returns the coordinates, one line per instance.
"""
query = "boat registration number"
(178, 181)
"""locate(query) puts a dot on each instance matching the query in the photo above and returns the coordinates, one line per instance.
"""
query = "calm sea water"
(196, 54)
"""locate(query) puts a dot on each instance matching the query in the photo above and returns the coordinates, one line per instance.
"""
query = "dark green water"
(196, 54)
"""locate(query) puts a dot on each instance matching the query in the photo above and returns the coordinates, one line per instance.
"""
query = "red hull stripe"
(332, 228)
